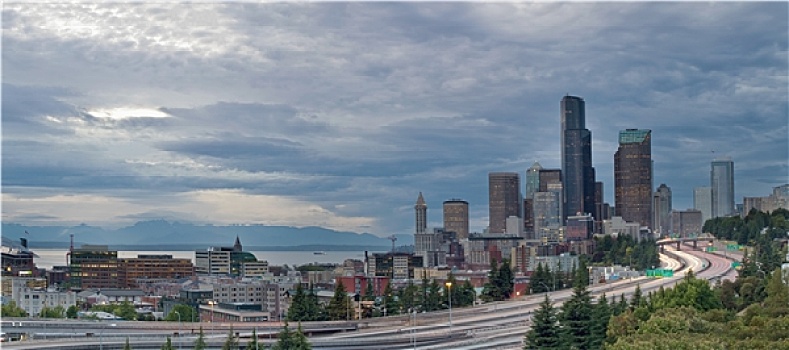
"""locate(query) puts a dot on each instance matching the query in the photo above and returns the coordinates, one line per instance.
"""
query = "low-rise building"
(32, 295)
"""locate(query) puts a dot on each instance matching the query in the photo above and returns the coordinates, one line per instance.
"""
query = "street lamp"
(449, 295)
(212, 303)
(179, 328)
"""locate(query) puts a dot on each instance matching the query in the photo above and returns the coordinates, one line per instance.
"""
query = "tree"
(406, 298)
(185, 312)
(72, 312)
(253, 343)
(200, 341)
(777, 301)
(168, 345)
(127, 346)
(544, 333)
(339, 305)
(55, 312)
(636, 299)
(504, 279)
(369, 294)
(576, 319)
(288, 340)
(601, 314)
(231, 343)
(298, 305)
(434, 298)
(12, 310)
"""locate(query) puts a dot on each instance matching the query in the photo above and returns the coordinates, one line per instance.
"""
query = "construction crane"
(393, 239)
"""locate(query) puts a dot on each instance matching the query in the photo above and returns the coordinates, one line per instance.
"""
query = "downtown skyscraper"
(578, 176)
(722, 183)
(504, 200)
(633, 176)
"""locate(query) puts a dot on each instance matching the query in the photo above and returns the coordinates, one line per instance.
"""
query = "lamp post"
(211, 302)
(179, 328)
(449, 295)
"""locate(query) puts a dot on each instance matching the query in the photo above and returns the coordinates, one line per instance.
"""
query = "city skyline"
(338, 114)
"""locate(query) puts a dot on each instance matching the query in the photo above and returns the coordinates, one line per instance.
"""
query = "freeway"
(499, 325)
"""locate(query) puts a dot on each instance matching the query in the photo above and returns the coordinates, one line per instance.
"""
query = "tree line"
(691, 315)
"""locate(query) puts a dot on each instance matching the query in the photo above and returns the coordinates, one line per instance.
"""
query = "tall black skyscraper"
(578, 176)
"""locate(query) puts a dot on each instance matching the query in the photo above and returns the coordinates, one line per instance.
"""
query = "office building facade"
(661, 205)
(504, 199)
(702, 201)
(93, 266)
(687, 222)
(578, 176)
(722, 184)
(456, 217)
(633, 176)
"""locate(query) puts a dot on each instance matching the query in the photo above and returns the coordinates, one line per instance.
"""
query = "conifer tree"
(545, 332)
(601, 314)
(576, 318)
(168, 344)
(200, 341)
(339, 305)
(127, 346)
(636, 300)
(231, 343)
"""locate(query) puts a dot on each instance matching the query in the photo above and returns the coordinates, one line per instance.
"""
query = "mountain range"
(163, 234)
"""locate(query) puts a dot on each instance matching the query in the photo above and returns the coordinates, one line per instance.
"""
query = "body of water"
(57, 257)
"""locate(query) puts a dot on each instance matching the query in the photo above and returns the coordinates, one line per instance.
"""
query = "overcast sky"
(339, 114)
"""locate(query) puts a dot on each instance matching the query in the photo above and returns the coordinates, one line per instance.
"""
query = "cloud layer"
(338, 114)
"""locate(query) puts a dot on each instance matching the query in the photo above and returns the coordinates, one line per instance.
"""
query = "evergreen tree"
(636, 300)
(491, 291)
(231, 343)
(288, 340)
(504, 280)
(539, 281)
(300, 341)
(392, 305)
(435, 300)
(545, 332)
(127, 346)
(601, 314)
(621, 306)
(576, 319)
(254, 344)
(200, 341)
(315, 310)
(298, 305)
(369, 294)
(467, 294)
(168, 344)
(339, 305)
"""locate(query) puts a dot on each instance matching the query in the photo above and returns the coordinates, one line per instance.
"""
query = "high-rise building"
(548, 212)
(505, 199)
(662, 208)
(549, 176)
(232, 261)
(533, 180)
(600, 213)
(421, 214)
(722, 183)
(456, 217)
(537, 180)
(633, 176)
(702, 201)
(424, 242)
(577, 173)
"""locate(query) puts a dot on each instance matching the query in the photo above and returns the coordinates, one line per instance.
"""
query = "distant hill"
(176, 234)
